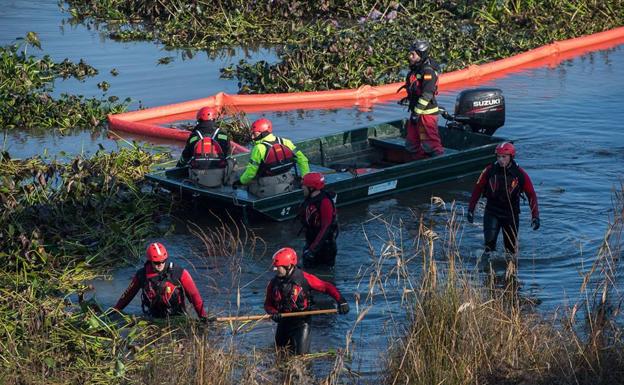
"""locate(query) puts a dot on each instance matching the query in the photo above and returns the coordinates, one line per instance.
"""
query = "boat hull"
(359, 165)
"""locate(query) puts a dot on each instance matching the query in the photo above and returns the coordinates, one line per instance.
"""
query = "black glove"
(343, 307)
(470, 217)
(403, 101)
(237, 184)
(208, 319)
(276, 317)
(535, 223)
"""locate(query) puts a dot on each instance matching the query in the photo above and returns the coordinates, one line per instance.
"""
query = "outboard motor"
(480, 110)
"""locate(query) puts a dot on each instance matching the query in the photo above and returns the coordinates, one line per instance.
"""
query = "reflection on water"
(567, 122)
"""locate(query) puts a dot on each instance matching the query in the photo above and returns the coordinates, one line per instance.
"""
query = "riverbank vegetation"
(27, 84)
(63, 223)
(464, 332)
(346, 44)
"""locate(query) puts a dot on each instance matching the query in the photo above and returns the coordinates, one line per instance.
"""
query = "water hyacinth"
(25, 100)
(461, 33)
(56, 213)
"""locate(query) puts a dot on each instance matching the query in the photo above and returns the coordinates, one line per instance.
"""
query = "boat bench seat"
(321, 169)
(395, 151)
(388, 143)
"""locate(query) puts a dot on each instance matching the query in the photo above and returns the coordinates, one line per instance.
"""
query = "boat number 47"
(285, 211)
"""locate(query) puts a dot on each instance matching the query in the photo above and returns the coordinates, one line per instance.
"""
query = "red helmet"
(314, 180)
(156, 252)
(506, 148)
(207, 113)
(285, 257)
(262, 125)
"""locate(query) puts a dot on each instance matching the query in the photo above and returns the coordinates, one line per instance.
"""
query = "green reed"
(462, 331)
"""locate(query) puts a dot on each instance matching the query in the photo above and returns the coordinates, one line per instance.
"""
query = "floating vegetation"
(345, 44)
(27, 81)
(165, 60)
(233, 121)
(89, 210)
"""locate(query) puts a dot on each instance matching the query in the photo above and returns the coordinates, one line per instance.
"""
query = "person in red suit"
(319, 219)
(290, 291)
(502, 183)
(163, 286)
(421, 83)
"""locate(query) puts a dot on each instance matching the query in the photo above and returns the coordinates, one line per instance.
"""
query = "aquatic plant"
(27, 81)
(373, 52)
(55, 213)
(345, 44)
(62, 223)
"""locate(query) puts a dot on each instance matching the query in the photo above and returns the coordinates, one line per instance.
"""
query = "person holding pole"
(288, 292)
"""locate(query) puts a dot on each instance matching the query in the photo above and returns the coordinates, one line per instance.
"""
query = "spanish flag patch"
(427, 77)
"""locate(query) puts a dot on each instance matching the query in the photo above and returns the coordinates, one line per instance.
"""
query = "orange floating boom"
(145, 122)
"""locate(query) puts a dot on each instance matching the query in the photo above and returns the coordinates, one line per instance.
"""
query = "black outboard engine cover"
(483, 109)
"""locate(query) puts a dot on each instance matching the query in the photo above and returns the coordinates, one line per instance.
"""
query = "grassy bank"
(27, 84)
(63, 223)
(347, 43)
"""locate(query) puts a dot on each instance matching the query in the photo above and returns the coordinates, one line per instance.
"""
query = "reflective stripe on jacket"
(421, 84)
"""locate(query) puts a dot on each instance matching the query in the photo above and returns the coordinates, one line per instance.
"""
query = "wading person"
(289, 291)
(502, 183)
(318, 216)
(205, 129)
(163, 287)
(421, 84)
(268, 171)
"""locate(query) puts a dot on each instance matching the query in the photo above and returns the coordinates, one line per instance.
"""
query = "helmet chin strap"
(262, 135)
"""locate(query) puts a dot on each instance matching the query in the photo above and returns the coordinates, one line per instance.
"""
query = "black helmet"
(421, 47)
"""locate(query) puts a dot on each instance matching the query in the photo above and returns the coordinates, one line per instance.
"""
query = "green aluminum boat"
(367, 163)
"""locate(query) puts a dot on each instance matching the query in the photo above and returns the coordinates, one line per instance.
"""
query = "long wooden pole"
(284, 315)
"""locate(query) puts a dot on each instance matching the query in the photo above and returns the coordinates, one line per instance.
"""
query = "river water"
(566, 120)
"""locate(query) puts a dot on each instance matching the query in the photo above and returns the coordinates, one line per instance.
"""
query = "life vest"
(291, 294)
(162, 294)
(504, 188)
(311, 214)
(207, 153)
(279, 159)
